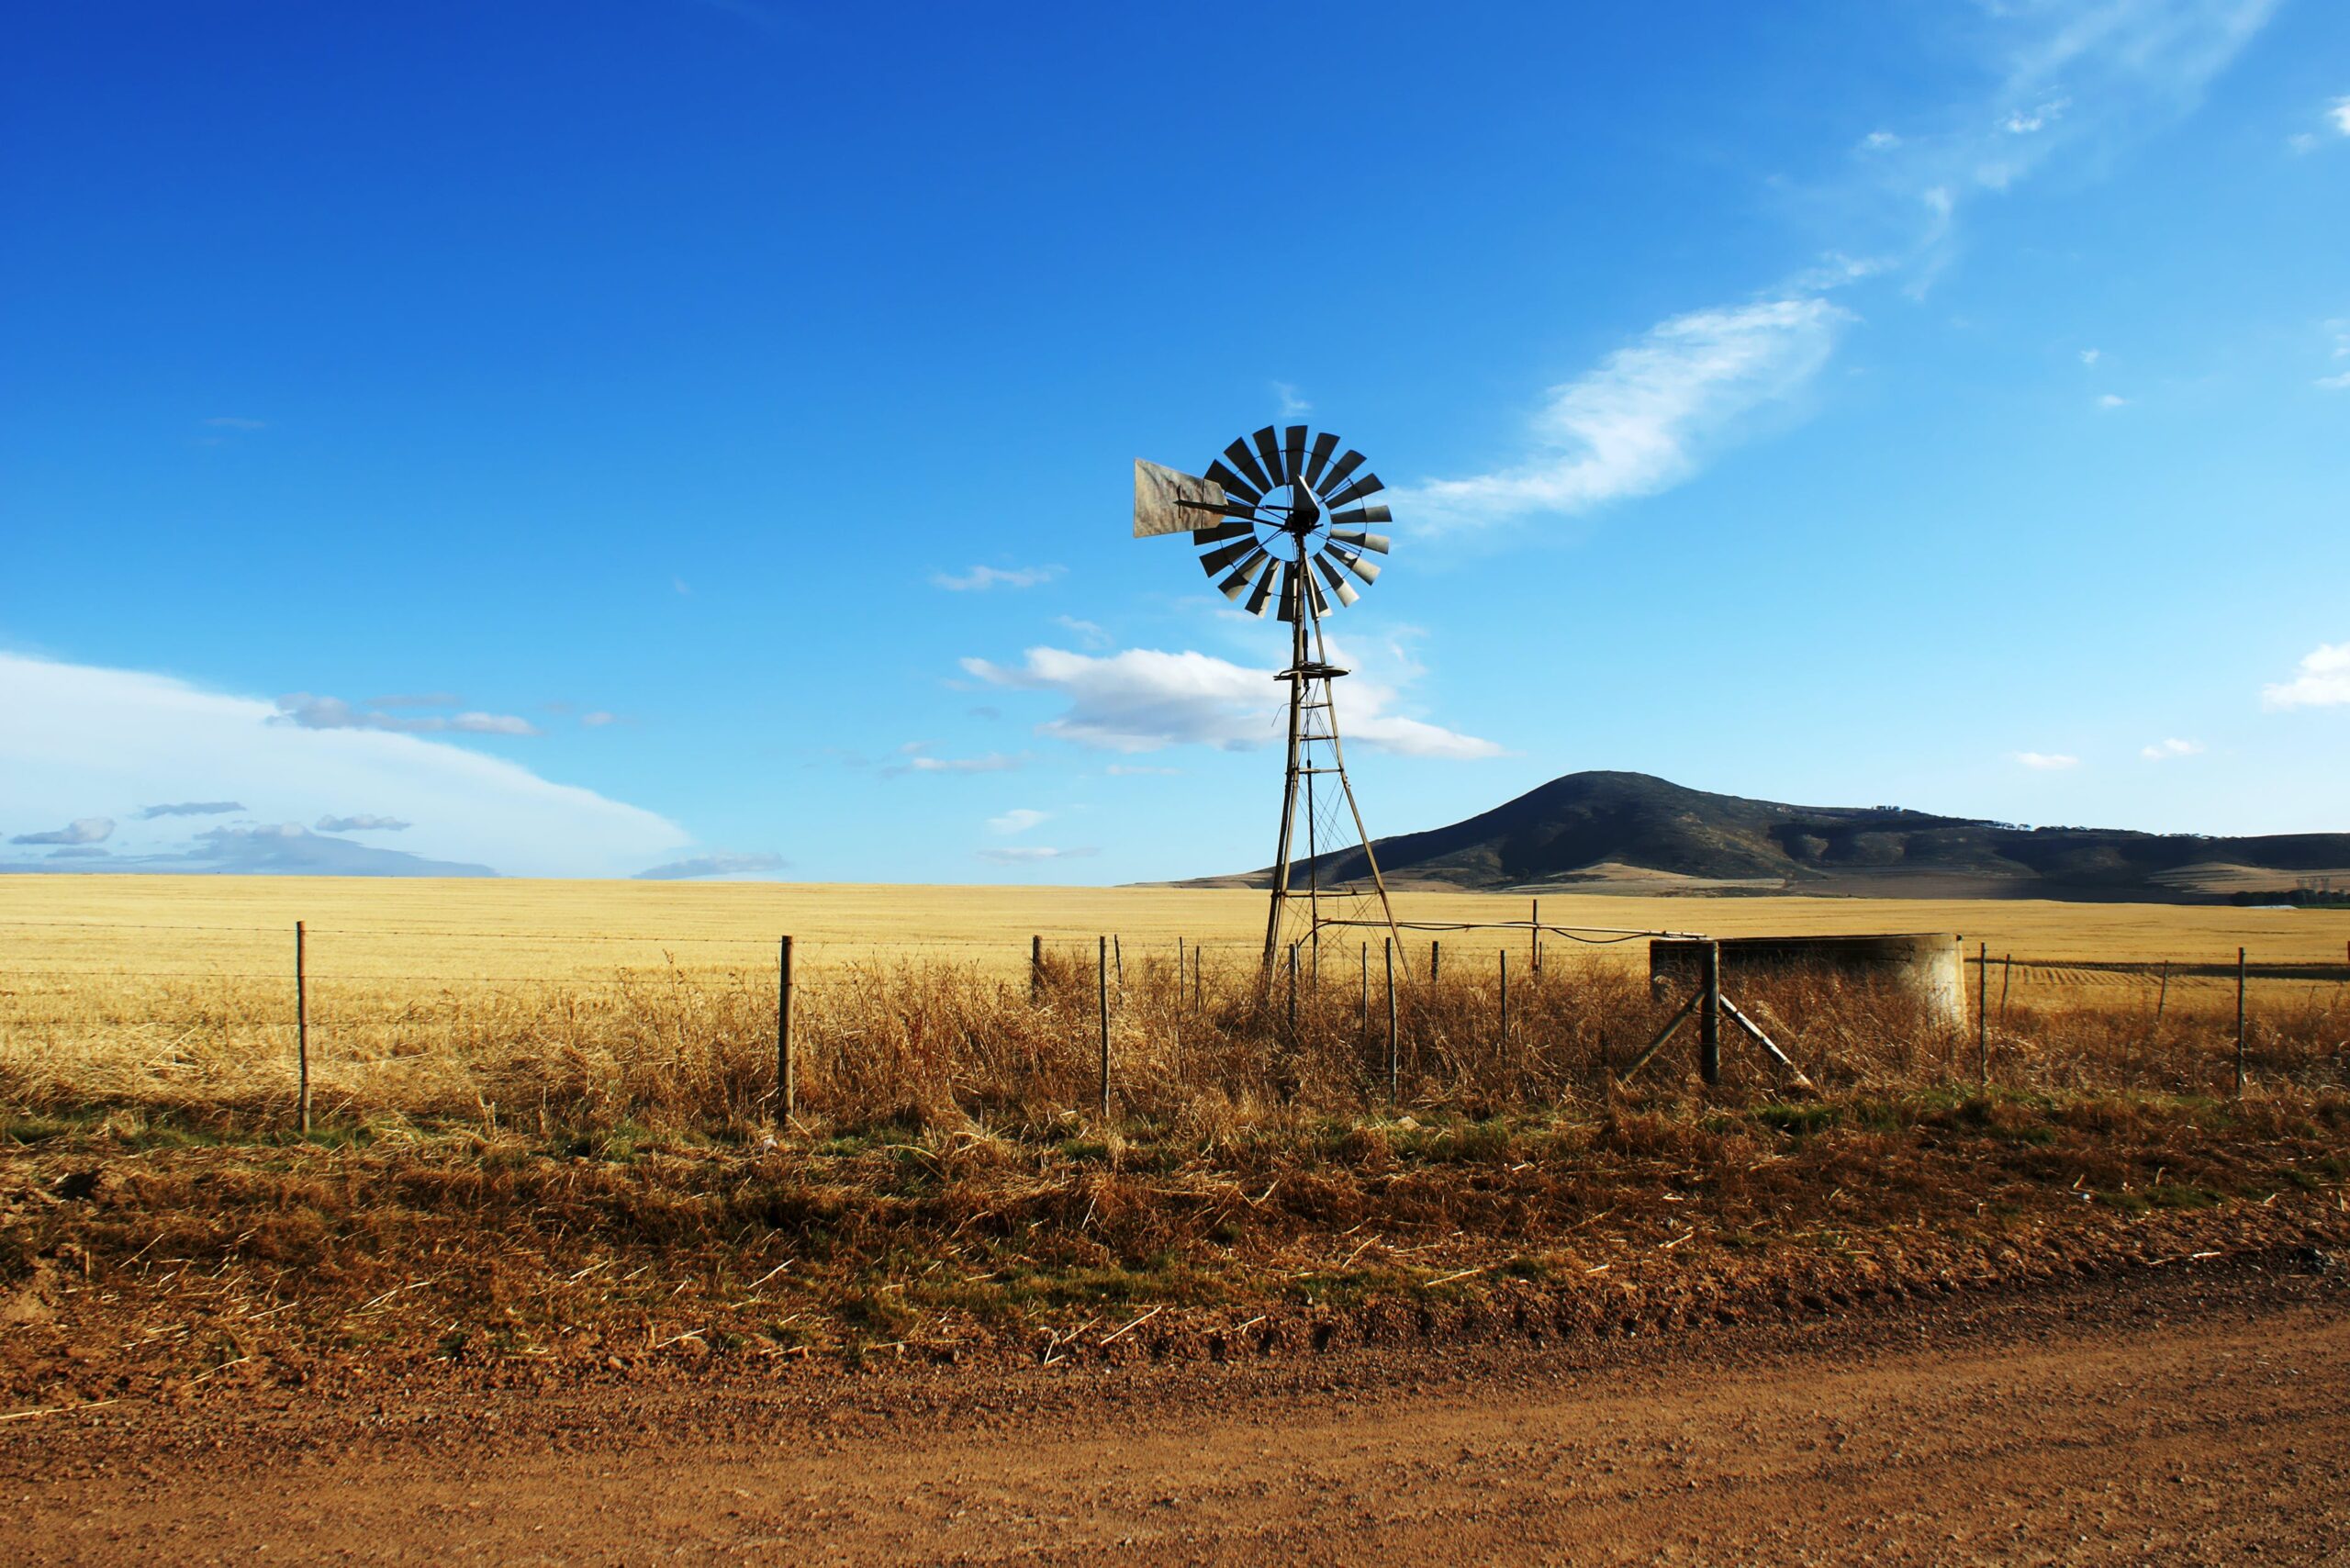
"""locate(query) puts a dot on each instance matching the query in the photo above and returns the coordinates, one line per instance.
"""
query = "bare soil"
(2196, 1412)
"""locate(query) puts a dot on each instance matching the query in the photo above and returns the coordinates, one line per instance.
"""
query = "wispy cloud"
(598, 719)
(721, 863)
(190, 809)
(1291, 405)
(979, 579)
(1030, 854)
(2047, 761)
(1143, 699)
(2338, 112)
(1086, 632)
(81, 830)
(1644, 419)
(2112, 400)
(2072, 74)
(2090, 356)
(363, 822)
(2164, 750)
(2339, 331)
(1019, 819)
(310, 712)
(2322, 680)
(231, 422)
(914, 757)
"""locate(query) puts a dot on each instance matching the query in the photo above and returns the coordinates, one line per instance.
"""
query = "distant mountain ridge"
(1631, 833)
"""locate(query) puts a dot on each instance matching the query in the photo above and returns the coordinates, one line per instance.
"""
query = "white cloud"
(2334, 382)
(2023, 122)
(2089, 356)
(1029, 854)
(2070, 74)
(333, 713)
(1142, 700)
(1642, 422)
(1086, 632)
(2321, 681)
(2047, 761)
(1292, 405)
(191, 809)
(81, 830)
(2110, 401)
(720, 863)
(598, 719)
(364, 822)
(914, 757)
(2339, 113)
(74, 737)
(1019, 819)
(979, 579)
(2163, 751)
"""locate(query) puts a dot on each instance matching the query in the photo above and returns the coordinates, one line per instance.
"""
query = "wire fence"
(455, 1021)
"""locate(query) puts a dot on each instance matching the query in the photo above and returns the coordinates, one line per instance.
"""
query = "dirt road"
(2169, 1418)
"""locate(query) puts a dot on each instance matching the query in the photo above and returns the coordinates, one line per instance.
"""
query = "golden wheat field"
(361, 927)
(607, 1002)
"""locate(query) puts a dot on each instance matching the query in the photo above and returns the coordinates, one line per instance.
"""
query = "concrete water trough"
(1931, 966)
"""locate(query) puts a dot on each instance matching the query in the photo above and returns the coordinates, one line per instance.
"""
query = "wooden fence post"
(1199, 987)
(302, 1027)
(1436, 962)
(1983, 1016)
(1292, 996)
(1118, 960)
(1504, 958)
(1709, 1016)
(1101, 984)
(1394, 1070)
(2238, 1022)
(2007, 973)
(1035, 969)
(787, 1082)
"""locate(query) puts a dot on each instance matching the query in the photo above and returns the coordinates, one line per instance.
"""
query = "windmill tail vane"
(1282, 520)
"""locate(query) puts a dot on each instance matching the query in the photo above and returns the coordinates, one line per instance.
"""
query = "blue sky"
(715, 420)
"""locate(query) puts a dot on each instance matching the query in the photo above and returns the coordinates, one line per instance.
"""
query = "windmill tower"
(1279, 522)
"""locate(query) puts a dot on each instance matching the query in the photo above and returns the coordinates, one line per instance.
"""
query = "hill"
(1631, 833)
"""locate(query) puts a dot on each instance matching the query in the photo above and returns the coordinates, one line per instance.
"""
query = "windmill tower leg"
(1294, 772)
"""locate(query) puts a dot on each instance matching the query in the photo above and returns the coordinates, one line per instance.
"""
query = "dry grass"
(539, 1007)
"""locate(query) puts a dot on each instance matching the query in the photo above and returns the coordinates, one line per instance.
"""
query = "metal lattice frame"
(1282, 520)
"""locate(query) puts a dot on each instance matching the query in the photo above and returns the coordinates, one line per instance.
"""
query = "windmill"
(1279, 520)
